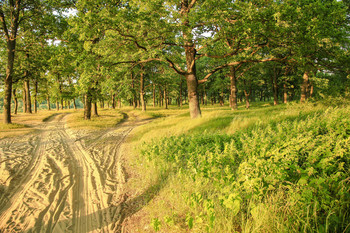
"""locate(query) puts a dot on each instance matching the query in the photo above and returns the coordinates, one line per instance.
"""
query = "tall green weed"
(293, 173)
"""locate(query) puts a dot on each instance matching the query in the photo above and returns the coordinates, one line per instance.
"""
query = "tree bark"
(180, 94)
(274, 87)
(74, 104)
(11, 46)
(35, 96)
(142, 91)
(48, 102)
(28, 97)
(247, 94)
(160, 97)
(190, 52)
(87, 106)
(165, 97)
(24, 106)
(233, 88)
(285, 93)
(94, 109)
(57, 105)
(304, 87)
(15, 100)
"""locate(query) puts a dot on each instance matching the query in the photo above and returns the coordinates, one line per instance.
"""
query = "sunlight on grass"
(107, 118)
(243, 171)
(23, 123)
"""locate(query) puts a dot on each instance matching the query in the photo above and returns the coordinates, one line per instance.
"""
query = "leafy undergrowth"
(283, 169)
(107, 118)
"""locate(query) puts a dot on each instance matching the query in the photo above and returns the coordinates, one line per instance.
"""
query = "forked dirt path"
(57, 180)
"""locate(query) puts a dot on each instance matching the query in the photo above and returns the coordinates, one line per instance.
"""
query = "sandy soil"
(59, 180)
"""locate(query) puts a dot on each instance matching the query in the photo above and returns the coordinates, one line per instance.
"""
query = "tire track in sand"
(63, 186)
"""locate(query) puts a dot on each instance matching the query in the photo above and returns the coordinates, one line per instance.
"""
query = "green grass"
(268, 169)
(107, 118)
(23, 123)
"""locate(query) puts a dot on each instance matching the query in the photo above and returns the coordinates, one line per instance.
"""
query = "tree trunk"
(180, 95)
(190, 52)
(285, 93)
(154, 94)
(165, 98)
(247, 104)
(119, 103)
(233, 88)
(24, 99)
(74, 104)
(304, 87)
(247, 94)
(222, 97)
(311, 90)
(15, 100)
(28, 97)
(57, 105)
(11, 47)
(35, 96)
(94, 109)
(48, 102)
(113, 101)
(142, 92)
(87, 106)
(274, 87)
(160, 97)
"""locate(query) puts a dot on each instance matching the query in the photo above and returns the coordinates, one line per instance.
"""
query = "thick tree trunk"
(304, 87)
(48, 102)
(15, 100)
(193, 100)
(87, 106)
(233, 88)
(94, 109)
(28, 97)
(190, 52)
(35, 96)
(57, 105)
(61, 103)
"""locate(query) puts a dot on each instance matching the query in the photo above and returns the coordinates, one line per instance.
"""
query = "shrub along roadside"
(274, 176)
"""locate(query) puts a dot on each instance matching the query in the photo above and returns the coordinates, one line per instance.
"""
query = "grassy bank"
(107, 118)
(23, 123)
(268, 169)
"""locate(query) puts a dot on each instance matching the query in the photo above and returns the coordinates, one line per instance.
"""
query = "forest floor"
(56, 179)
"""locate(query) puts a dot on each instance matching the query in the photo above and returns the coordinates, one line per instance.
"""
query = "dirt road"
(57, 180)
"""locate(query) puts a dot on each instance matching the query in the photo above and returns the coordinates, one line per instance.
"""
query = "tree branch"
(234, 64)
(3, 21)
